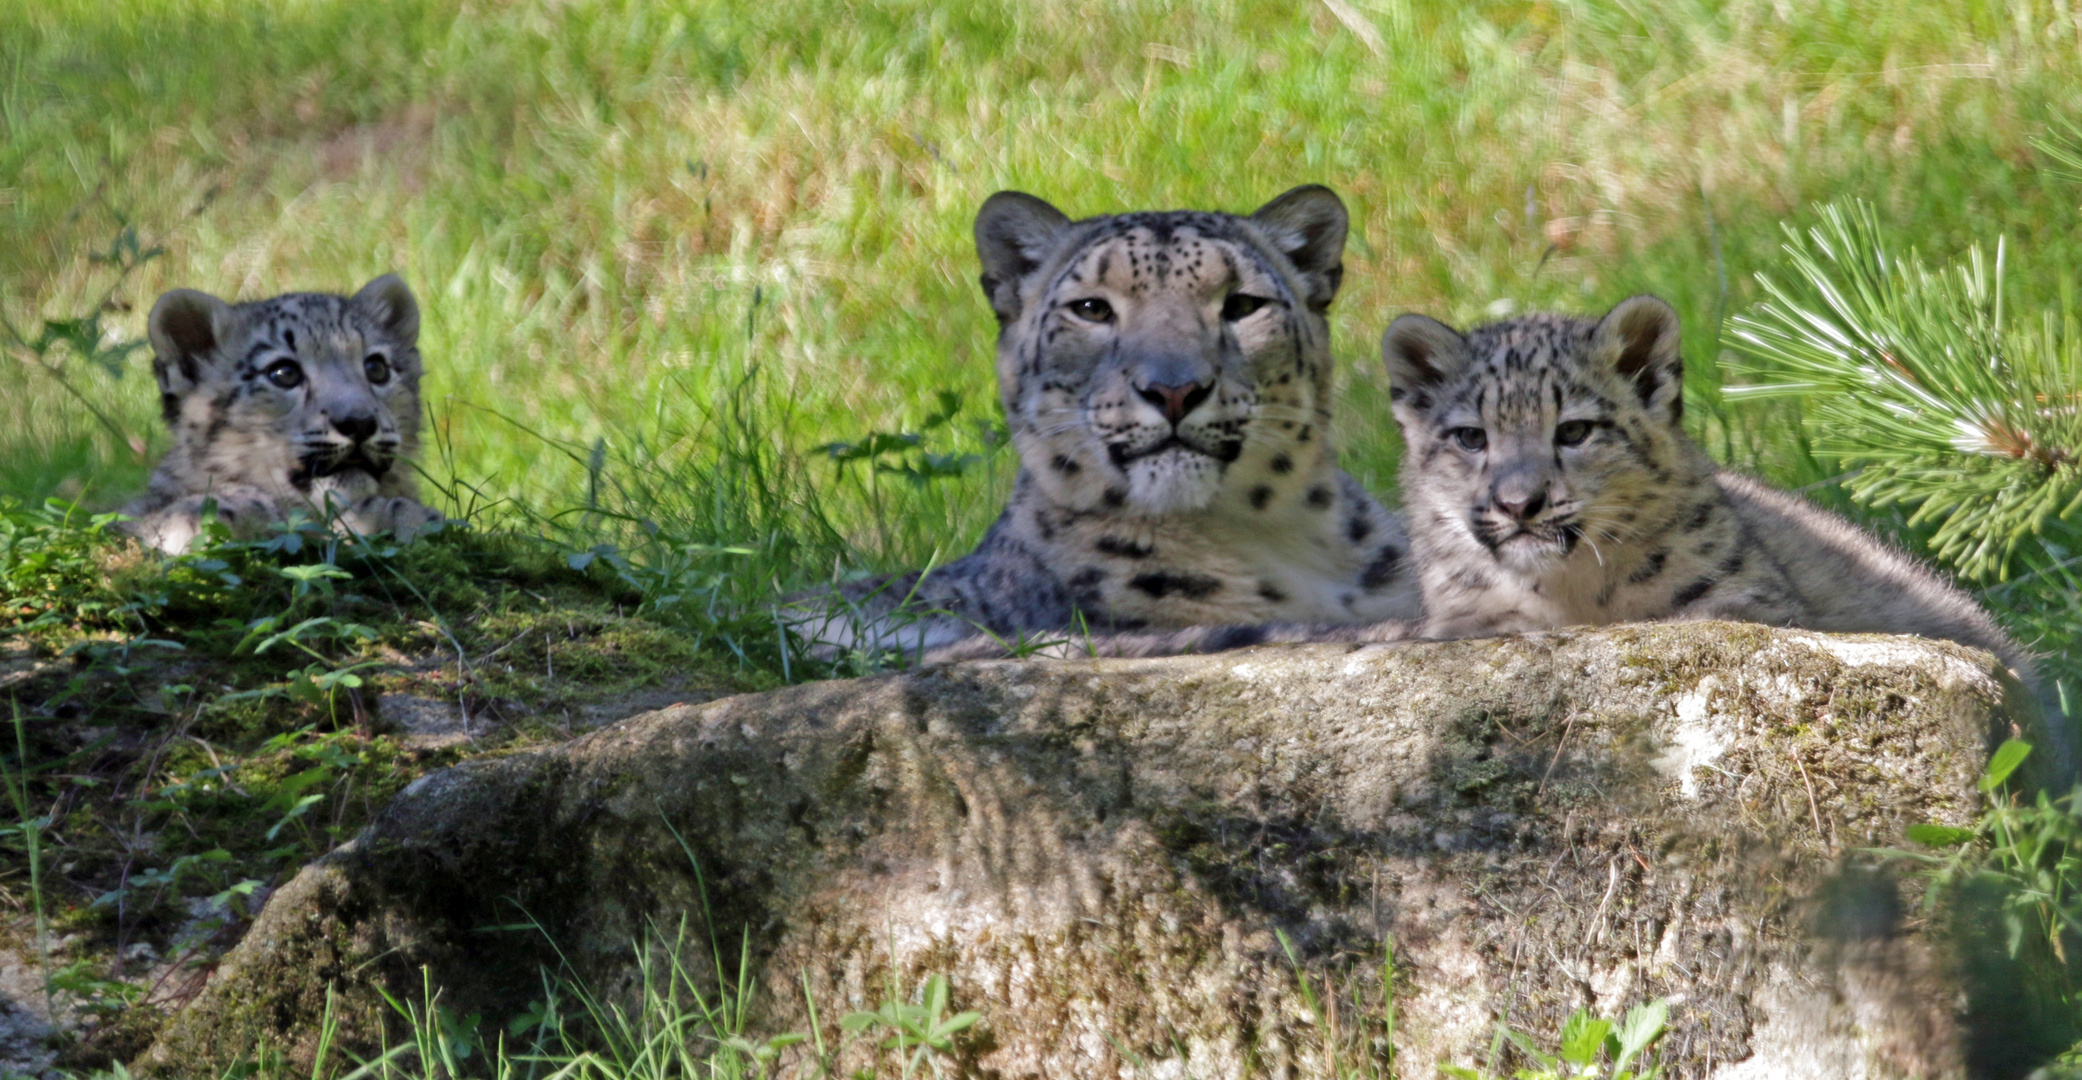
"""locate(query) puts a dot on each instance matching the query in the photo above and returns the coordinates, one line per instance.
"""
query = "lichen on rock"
(1101, 855)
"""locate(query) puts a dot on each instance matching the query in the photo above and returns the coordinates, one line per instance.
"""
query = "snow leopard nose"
(356, 426)
(1522, 507)
(1175, 400)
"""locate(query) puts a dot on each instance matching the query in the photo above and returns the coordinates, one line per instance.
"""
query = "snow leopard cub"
(305, 401)
(1549, 482)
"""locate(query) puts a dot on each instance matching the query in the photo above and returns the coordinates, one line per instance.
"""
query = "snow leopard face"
(297, 390)
(1163, 362)
(1528, 437)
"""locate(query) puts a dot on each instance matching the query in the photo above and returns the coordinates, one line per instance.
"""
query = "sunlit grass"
(614, 211)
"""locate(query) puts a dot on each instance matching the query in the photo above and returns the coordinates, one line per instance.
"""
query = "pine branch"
(1914, 375)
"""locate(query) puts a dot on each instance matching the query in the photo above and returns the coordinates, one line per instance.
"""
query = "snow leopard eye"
(1471, 439)
(376, 368)
(1092, 309)
(1241, 306)
(287, 374)
(1572, 432)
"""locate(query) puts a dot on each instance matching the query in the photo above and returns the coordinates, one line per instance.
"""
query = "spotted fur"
(1550, 483)
(307, 401)
(1166, 379)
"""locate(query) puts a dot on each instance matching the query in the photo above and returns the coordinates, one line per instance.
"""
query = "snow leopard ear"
(1638, 339)
(391, 304)
(186, 327)
(1422, 354)
(1308, 226)
(1015, 234)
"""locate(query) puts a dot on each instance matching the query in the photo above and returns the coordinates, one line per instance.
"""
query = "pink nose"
(1176, 401)
(1522, 509)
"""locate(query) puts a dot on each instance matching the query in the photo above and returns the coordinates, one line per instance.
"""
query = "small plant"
(30, 827)
(2013, 884)
(903, 453)
(1351, 1051)
(1591, 1048)
(917, 1032)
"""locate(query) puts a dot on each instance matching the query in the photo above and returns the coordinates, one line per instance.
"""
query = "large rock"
(1099, 855)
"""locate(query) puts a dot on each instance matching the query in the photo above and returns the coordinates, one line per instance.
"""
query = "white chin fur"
(1172, 482)
(1527, 555)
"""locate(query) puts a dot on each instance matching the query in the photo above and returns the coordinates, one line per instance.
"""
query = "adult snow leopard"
(1166, 377)
(303, 401)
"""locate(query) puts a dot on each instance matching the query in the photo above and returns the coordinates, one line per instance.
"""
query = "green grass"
(615, 211)
(667, 251)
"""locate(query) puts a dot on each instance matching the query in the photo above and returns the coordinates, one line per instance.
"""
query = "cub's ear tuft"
(1308, 226)
(1421, 354)
(1639, 339)
(186, 327)
(1015, 234)
(391, 304)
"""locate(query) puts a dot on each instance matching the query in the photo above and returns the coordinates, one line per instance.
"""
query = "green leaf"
(1582, 1037)
(1939, 836)
(958, 1022)
(302, 805)
(2007, 757)
(1526, 1044)
(1642, 1026)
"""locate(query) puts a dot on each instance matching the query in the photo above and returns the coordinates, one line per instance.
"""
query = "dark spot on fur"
(1700, 516)
(1125, 548)
(1269, 591)
(1319, 497)
(1358, 529)
(1282, 464)
(1233, 637)
(1065, 466)
(1260, 495)
(1650, 567)
(1381, 571)
(1115, 497)
(1692, 592)
(1084, 587)
(1305, 434)
(1162, 583)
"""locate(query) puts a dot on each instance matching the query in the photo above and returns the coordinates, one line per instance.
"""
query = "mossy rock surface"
(1102, 855)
